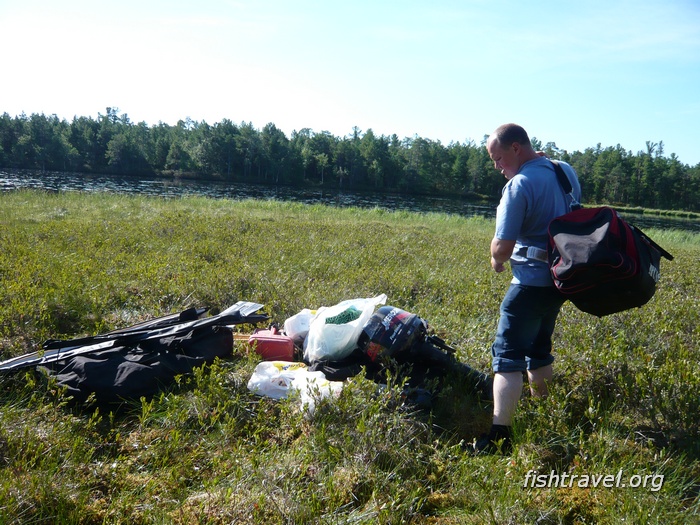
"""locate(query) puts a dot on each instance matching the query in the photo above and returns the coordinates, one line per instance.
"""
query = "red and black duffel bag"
(600, 262)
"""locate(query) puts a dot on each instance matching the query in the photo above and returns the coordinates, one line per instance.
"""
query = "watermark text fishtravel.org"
(553, 479)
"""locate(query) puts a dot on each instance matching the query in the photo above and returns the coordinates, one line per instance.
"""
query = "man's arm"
(501, 250)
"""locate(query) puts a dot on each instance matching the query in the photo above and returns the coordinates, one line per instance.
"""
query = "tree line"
(360, 161)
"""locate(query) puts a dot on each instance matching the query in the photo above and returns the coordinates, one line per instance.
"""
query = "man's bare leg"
(539, 379)
(507, 389)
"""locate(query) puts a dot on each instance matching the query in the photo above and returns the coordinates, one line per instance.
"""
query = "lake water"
(170, 188)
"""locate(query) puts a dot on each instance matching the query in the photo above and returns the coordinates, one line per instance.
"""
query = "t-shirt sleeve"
(511, 210)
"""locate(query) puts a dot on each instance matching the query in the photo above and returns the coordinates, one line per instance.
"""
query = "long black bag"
(132, 371)
(139, 360)
(599, 261)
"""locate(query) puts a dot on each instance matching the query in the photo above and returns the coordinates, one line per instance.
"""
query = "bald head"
(508, 134)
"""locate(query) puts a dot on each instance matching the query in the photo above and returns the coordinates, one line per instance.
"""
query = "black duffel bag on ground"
(139, 360)
(599, 261)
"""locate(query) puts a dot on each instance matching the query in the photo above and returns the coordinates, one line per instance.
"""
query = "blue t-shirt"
(530, 200)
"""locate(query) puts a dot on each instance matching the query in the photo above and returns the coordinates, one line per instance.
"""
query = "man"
(531, 198)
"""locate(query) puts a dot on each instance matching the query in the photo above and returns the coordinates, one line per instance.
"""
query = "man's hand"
(497, 266)
(500, 253)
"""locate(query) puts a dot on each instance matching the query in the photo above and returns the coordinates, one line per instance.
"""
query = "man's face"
(505, 158)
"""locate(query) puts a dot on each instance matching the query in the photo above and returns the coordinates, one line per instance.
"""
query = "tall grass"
(625, 396)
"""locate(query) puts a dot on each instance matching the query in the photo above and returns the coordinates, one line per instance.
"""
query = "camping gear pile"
(313, 355)
(344, 340)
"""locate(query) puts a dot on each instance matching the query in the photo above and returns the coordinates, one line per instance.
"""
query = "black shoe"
(497, 441)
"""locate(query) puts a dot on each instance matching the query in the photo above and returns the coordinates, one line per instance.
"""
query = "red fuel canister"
(272, 345)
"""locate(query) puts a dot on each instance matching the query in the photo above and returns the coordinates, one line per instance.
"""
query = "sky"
(577, 73)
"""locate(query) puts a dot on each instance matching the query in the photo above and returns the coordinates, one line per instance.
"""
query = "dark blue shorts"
(524, 337)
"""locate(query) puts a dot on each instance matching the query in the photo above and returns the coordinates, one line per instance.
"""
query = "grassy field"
(624, 402)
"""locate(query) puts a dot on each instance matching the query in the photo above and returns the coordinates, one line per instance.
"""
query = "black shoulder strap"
(663, 252)
(565, 183)
(561, 177)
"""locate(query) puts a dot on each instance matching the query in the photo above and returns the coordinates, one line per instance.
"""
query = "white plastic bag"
(280, 379)
(297, 326)
(336, 340)
(312, 387)
(274, 378)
